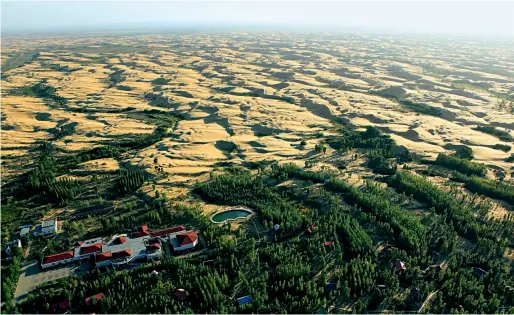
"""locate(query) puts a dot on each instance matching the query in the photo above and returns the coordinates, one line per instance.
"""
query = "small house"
(97, 297)
(399, 265)
(25, 232)
(244, 300)
(330, 286)
(15, 243)
(180, 293)
(47, 227)
(184, 241)
(329, 243)
(26, 226)
(479, 272)
(61, 307)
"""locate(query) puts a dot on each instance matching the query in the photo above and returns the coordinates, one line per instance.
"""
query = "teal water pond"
(230, 215)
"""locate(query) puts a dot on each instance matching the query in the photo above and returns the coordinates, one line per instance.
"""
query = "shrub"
(501, 134)
(464, 152)
(502, 147)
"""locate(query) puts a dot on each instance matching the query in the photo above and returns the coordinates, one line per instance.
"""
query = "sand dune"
(242, 102)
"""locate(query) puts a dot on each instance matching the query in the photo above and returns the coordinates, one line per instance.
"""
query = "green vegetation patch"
(461, 165)
(423, 108)
(156, 117)
(487, 187)
(160, 81)
(43, 116)
(502, 147)
(19, 59)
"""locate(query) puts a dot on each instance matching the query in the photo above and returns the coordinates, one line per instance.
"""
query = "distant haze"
(470, 18)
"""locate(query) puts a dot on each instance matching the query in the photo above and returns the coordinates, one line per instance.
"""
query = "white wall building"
(57, 259)
(46, 227)
(184, 241)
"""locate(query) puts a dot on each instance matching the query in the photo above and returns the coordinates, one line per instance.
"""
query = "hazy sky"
(414, 16)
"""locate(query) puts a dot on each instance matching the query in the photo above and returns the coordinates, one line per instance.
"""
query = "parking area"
(31, 275)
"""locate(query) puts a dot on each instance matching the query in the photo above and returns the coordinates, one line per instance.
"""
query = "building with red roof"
(153, 247)
(399, 265)
(184, 241)
(61, 306)
(141, 231)
(90, 249)
(166, 232)
(180, 293)
(123, 249)
(103, 259)
(153, 251)
(98, 297)
(57, 259)
(122, 254)
(120, 240)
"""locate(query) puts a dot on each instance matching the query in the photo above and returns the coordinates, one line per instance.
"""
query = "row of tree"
(487, 187)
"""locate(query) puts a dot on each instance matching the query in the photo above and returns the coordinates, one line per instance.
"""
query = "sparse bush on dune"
(464, 152)
(160, 81)
(501, 134)
(116, 77)
(502, 147)
(124, 88)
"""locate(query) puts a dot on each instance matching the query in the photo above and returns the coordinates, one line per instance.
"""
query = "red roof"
(329, 243)
(122, 254)
(139, 234)
(102, 256)
(187, 238)
(91, 249)
(170, 230)
(119, 240)
(180, 293)
(98, 297)
(141, 231)
(153, 247)
(57, 257)
(400, 265)
(61, 305)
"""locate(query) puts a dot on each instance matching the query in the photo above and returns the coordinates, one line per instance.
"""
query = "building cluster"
(47, 227)
(123, 249)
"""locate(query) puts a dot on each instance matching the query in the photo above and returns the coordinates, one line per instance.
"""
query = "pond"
(232, 214)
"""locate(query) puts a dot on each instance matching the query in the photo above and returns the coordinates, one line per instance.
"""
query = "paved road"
(31, 276)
